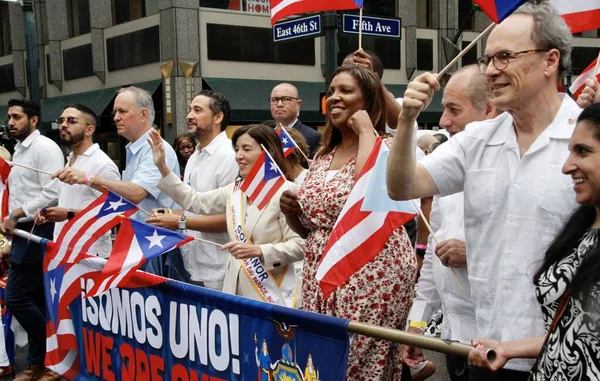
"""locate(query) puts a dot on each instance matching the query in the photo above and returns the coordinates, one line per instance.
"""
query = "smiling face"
(201, 119)
(583, 164)
(524, 75)
(344, 99)
(247, 151)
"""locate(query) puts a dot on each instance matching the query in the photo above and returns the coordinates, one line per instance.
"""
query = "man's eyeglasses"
(502, 59)
(284, 100)
(71, 120)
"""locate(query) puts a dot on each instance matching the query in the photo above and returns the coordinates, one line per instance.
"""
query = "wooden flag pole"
(360, 17)
(437, 241)
(28, 167)
(597, 67)
(465, 51)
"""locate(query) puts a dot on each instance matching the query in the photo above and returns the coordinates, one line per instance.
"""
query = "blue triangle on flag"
(286, 140)
(376, 198)
(271, 169)
(115, 204)
(52, 283)
(154, 241)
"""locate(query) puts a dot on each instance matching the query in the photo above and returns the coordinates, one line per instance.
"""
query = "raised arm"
(405, 178)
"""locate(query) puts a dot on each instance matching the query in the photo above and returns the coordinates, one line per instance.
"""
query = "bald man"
(285, 109)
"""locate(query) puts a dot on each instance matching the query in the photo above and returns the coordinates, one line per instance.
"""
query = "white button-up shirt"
(514, 207)
(29, 189)
(93, 160)
(437, 286)
(210, 168)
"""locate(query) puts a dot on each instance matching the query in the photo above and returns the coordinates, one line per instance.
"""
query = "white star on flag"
(53, 288)
(284, 141)
(155, 240)
(115, 205)
(273, 167)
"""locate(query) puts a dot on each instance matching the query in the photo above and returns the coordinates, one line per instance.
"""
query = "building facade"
(173, 48)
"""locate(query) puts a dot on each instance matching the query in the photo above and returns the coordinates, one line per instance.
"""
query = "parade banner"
(175, 331)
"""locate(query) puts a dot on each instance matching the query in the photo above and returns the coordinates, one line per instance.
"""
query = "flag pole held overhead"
(465, 50)
(360, 14)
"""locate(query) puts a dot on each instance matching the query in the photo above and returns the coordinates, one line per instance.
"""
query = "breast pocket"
(479, 192)
(555, 194)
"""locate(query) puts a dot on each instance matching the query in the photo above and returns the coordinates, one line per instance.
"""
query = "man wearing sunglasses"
(285, 110)
(516, 198)
(77, 125)
(29, 191)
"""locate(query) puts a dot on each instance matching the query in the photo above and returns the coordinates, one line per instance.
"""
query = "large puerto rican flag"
(136, 243)
(580, 15)
(285, 8)
(263, 181)
(363, 227)
(498, 10)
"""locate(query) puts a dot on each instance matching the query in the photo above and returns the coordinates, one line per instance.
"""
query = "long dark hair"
(588, 273)
(372, 93)
(266, 136)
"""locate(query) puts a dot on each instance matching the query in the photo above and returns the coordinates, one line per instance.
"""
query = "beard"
(68, 139)
(22, 134)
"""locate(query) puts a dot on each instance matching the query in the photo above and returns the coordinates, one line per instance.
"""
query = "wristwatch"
(70, 214)
(183, 223)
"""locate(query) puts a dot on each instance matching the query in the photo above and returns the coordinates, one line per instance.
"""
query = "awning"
(96, 100)
(433, 113)
(249, 98)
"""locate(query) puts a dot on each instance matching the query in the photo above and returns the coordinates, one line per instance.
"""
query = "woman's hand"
(158, 149)
(166, 221)
(418, 95)
(288, 203)
(361, 123)
(478, 356)
(242, 250)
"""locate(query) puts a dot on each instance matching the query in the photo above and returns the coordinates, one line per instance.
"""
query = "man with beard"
(77, 125)
(29, 191)
(211, 166)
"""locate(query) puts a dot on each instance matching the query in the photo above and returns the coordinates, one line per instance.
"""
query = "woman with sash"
(379, 293)
(568, 280)
(263, 248)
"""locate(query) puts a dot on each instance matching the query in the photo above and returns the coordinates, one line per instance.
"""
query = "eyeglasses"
(285, 100)
(71, 120)
(502, 59)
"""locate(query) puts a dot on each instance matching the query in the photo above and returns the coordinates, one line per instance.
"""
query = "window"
(128, 10)
(79, 17)
(5, 44)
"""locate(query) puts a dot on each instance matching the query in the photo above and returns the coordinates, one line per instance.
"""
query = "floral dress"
(573, 349)
(380, 293)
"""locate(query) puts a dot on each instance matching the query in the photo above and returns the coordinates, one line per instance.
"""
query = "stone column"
(100, 19)
(407, 11)
(180, 42)
(17, 37)
(58, 30)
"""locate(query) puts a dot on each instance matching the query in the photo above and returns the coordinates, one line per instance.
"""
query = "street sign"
(287, 30)
(372, 26)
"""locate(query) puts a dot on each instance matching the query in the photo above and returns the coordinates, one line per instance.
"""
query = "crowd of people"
(513, 258)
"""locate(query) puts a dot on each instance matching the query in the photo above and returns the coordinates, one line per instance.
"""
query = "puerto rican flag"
(285, 8)
(63, 283)
(5, 168)
(580, 15)
(588, 73)
(90, 224)
(136, 243)
(498, 10)
(365, 224)
(287, 142)
(263, 181)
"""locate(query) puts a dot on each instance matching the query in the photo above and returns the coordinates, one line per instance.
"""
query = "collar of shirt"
(214, 144)
(134, 147)
(291, 125)
(88, 152)
(27, 142)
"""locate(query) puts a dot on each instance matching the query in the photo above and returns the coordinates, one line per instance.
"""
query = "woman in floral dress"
(379, 293)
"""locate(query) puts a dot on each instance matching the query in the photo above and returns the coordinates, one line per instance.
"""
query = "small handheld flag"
(263, 181)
